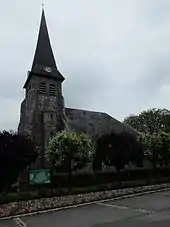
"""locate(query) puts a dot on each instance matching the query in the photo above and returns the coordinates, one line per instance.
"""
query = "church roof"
(95, 124)
(44, 61)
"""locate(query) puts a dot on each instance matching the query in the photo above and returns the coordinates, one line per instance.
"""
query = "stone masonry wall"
(41, 113)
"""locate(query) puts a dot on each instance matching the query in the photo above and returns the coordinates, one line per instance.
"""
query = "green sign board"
(39, 176)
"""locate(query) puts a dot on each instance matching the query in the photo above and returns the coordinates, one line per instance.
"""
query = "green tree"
(150, 121)
(156, 148)
(71, 150)
(17, 152)
(164, 149)
(150, 148)
(119, 149)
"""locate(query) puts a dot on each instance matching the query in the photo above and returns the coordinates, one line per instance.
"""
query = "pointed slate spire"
(44, 62)
(43, 54)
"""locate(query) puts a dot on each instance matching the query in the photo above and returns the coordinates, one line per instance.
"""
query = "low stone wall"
(29, 206)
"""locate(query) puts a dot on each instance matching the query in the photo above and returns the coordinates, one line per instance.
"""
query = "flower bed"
(36, 205)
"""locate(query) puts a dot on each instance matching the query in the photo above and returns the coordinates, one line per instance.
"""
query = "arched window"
(42, 88)
(52, 90)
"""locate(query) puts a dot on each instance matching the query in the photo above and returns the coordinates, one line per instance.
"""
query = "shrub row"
(37, 194)
(86, 179)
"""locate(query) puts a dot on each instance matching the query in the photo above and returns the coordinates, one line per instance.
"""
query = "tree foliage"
(70, 146)
(16, 153)
(156, 148)
(119, 149)
(150, 121)
(70, 151)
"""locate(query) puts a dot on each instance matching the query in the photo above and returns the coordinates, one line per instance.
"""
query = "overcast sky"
(114, 54)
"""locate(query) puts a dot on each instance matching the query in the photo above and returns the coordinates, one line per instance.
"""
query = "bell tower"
(42, 109)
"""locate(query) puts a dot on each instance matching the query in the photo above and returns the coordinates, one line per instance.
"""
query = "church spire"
(44, 62)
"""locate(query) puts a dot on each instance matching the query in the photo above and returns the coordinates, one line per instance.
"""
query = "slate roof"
(44, 57)
(95, 124)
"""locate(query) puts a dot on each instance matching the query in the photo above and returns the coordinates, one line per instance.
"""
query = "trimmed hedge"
(36, 205)
(46, 192)
(86, 179)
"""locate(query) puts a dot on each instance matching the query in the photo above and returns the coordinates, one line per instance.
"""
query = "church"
(43, 112)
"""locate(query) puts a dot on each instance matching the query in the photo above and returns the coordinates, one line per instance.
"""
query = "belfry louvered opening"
(42, 88)
(52, 89)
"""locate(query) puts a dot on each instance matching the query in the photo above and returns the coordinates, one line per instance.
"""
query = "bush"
(17, 152)
(87, 179)
(14, 197)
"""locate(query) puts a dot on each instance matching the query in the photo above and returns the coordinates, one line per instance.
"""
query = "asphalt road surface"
(152, 210)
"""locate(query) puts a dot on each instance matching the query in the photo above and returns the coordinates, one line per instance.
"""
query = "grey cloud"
(114, 54)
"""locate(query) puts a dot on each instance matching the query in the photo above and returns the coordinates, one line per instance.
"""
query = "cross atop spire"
(44, 62)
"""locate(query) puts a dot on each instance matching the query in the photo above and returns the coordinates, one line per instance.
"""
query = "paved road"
(144, 211)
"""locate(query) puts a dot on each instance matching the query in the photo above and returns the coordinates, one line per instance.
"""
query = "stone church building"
(43, 112)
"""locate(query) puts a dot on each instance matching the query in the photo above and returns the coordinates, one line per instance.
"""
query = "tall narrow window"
(42, 88)
(52, 90)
